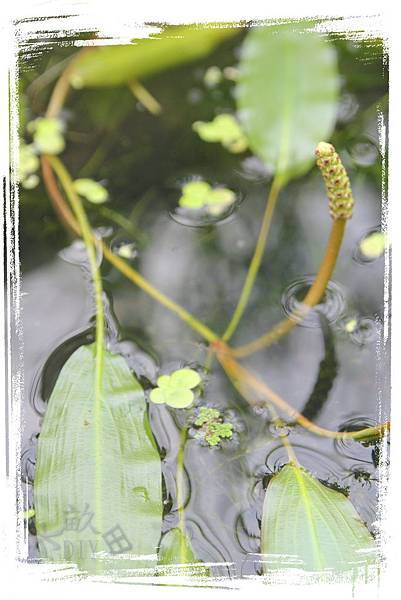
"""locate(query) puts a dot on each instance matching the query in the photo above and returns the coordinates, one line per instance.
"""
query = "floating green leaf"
(224, 129)
(119, 65)
(212, 426)
(309, 526)
(91, 190)
(175, 389)
(373, 245)
(28, 165)
(97, 485)
(199, 194)
(176, 552)
(47, 135)
(287, 95)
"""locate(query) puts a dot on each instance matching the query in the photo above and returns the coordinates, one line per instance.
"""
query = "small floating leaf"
(310, 526)
(176, 551)
(28, 165)
(91, 190)
(373, 245)
(200, 195)
(175, 389)
(47, 135)
(119, 65)
(97, 486)
(185, 378)
(287, 95)
(212, 426)
(224, 129)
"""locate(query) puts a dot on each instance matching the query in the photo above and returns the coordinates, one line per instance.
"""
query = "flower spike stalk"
(341, 204)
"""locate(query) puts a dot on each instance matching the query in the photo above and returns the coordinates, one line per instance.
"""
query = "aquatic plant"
(100, 406)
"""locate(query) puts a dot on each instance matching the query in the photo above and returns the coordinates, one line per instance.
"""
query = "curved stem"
(87, 237)
(256, 260)
(247, 379)
(312, 298)
(115, 260)
(180, 494)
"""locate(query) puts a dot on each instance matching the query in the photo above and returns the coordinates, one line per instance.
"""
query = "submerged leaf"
(287, 95)
(309, 526)
(119, 65)
(97, 485)
(176, 551)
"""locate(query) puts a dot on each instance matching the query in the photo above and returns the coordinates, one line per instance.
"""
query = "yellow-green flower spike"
(341, 201)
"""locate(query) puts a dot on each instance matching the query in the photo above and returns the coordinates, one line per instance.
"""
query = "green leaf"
(175, 389)
(287, 95)
(224, 129)
(310, 526)
(97, 485)
(373, 245)
(47, 135)
(91, 190)
(119, 65)
(176, 551)
(200, 194)
(185, 378)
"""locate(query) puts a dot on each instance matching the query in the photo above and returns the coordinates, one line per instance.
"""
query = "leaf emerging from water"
(97, 485)
(287, 95)
(177, 553)
(309, 526)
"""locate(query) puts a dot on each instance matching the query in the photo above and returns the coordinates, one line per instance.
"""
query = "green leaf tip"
(91, 190)
(47, 135)
(200, 195)
(224, 129)
(341, 201)
(212, 426)
(175, 389)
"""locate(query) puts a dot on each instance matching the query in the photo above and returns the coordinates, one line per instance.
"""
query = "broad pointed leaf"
(97, 487)
(309, 526)
(176, 552)
(287, 95)
(119, 65)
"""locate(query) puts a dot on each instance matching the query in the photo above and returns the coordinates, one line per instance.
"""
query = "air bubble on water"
(332, 305)
(365, 153)
(254, 170)
(76, 253)
(347, 107)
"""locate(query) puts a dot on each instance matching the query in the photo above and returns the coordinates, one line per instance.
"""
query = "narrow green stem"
(256, 260)
(115, 260)
(180, 494)
(88, 239)
(312, 298)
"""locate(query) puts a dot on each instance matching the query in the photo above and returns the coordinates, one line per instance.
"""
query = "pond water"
(334, 365)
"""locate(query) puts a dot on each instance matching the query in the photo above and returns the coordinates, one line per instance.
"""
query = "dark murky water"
(144, 161)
